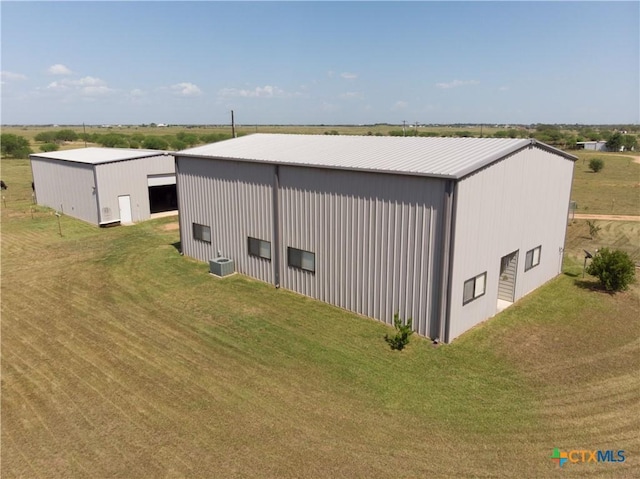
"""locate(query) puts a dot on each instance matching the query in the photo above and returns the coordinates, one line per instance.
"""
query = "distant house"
(592, 145)
(447, 231)
(105, 185)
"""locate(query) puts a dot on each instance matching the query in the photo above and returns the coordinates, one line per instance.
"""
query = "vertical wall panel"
(129, 177)
(372, 239)
(517, 203)
(66, 186)
(236, 200)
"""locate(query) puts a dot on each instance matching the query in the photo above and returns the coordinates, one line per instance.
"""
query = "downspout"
(276, 225)
(180, 215)
(445, 262)
(566, 223)
(452, 240)
(95, 191)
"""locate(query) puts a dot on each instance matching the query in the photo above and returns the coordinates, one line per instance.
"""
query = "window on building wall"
(533, 258)
(298, 258)
(259, 248)
(202, 232)
(474, 288)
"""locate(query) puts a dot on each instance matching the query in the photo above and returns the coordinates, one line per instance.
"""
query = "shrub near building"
(614, 269)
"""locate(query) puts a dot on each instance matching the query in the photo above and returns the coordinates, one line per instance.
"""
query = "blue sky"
(320, 62)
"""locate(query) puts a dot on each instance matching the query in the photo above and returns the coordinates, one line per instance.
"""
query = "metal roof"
(96, 156)
(420, 156)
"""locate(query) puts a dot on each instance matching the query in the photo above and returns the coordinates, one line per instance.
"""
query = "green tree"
(113, 140)
(615, 142)
(630, 142)
(66, 135)
(49, 147)
(189, 139)
(155, 143)
(596, 164)
(14, 146)
(46, 136)
(614, 269)
(403, 331)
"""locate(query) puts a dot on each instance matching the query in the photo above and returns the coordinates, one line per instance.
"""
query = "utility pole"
(233, 126)
(404, 126)
(84, 130)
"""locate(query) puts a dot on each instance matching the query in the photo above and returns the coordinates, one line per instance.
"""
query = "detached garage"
(106, 185)
(447, 231)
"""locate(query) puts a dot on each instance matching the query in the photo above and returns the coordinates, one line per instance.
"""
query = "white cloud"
(11, 76)
(457, 83)
(266, 91)
(88, 82)
(186, 89)
(400, 105)
(349, 76)
(503, 88)
(351, 95)
(86, 86)
(137, 92)
(59, 69)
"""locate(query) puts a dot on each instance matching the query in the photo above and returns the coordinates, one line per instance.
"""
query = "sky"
(320, 62)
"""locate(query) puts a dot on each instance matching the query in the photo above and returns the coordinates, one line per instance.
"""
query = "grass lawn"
(615, 190)
(121, 358)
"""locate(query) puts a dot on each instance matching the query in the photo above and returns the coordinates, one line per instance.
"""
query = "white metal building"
(105, 185)
(446, 231)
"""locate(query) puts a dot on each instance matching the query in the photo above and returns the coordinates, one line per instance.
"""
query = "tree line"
(19, 147)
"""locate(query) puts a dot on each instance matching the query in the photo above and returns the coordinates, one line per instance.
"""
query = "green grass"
(121, 358)
(615, 190)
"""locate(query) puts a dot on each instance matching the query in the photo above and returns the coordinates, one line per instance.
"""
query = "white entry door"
(124, 203)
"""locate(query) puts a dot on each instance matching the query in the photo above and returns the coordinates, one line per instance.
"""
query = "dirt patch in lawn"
(170, 226)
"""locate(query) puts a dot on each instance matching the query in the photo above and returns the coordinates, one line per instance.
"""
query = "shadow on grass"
(178, 246)
(592, 286)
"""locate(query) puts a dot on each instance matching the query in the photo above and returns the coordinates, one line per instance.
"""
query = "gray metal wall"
(518, 203)
(235, 199)
(67, 187)
(376, 237)
(129, 178)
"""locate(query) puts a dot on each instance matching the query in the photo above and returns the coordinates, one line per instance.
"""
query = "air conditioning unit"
(221, 266)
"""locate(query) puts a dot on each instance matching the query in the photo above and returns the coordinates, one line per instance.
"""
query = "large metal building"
(447, 231)
(106, 185)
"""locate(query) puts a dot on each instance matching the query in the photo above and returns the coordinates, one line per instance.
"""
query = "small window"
(202, 232)
(474, 288)
(533, 258)
(259, 248)
(302, 259)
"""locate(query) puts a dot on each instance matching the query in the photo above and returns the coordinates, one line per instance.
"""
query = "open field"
(615, 190)
(121, 358)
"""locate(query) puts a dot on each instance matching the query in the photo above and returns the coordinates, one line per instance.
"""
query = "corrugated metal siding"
(518, 203)
(235, 199)
(129, 178)
(442, 157)
(376, 239)
(68, 187)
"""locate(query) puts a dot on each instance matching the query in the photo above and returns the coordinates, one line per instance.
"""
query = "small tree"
(615, 142)
(49, 147)
(614, 269)
(596, 164)
(593, 229)
(14, 146)
(403, 332)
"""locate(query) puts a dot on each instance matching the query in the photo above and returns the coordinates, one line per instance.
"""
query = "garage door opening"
(162, 193)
